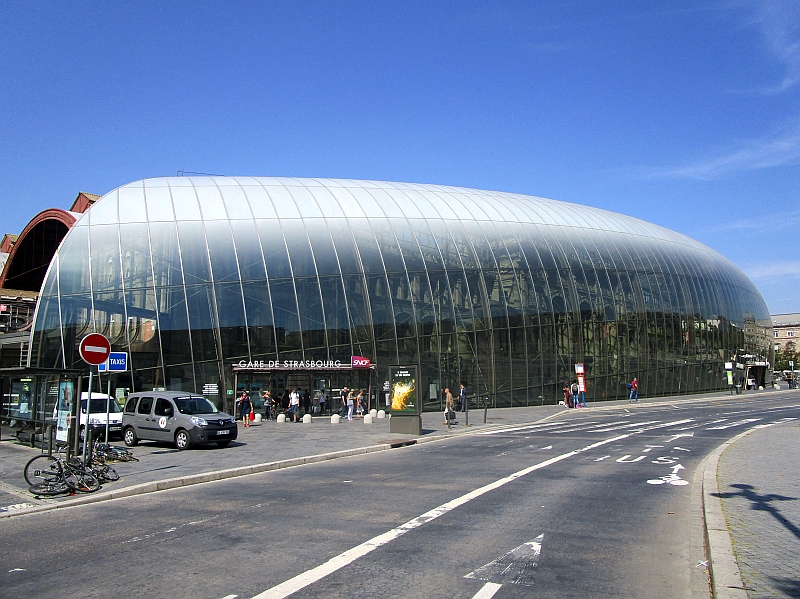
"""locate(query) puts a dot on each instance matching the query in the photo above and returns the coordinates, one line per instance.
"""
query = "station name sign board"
(302, 364)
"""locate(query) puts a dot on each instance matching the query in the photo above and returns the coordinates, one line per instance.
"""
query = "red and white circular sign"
(94, 349)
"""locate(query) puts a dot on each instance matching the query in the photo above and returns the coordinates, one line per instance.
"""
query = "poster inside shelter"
(404, 389)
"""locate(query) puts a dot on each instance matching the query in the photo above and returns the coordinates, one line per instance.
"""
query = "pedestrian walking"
(246, 406)
(360, 404)
(448, 405)
(462, 397)
(350, 403)
(574, 389)
(634, 387)
(294, 404)
(323, 399)
(567, 394)
(343, 402)
(267, 398)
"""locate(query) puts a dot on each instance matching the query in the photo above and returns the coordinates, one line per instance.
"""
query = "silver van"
(177, 417)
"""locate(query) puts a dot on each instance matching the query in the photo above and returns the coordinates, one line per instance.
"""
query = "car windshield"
(195, 405)
(99, 405)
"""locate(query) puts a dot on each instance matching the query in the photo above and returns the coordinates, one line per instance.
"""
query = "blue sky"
(685, 114)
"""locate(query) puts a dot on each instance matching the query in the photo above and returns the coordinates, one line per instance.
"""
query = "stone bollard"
(306, 418)
(335, 419)
(258, 418)
(373, 412)
(381, 414)
(367, 418)
(281, 417)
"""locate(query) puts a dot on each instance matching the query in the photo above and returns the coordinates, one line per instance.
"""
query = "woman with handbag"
(350, 403)
(247, 407)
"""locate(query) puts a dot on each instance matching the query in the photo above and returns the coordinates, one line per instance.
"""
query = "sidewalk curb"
(726, 580)
(206, 477)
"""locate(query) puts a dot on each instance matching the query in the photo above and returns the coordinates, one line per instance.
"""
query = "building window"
(790, 333)
(777, 334)
(777, 347)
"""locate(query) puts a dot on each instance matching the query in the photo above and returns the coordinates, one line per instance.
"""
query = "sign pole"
(88, 411)
(108, 406)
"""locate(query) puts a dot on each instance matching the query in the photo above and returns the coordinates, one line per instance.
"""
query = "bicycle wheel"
(49, 488)
(42, 469)
(81, 480)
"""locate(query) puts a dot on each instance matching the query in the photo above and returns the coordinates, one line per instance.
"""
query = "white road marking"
(665, 425)
(15, 507)
(781, 421)
(515, 567)
(17, 570)
(676, 437)
(230, 596)
(732, 424)
(548, 447)
(614, 428)
(603, 458)
(649, 448)
(624, 459)
(487, 591)
(522, 428)
(676, 448)
(338, 562)
(671, 479)
(169, 530)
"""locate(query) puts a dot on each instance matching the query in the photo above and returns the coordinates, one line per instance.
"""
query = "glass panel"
(271, 235)
(200, 301)
(194, 253)
(76, 312)
(324, 253)
(284, 307)
(221, 252)
(235, 202)
(104, 210)
(105, 257)
(259, 319)
(306, 203)
(232, 325)
(159, 204)
(342, 239)
(371, 259)
(73, 258)
(283, 202)
(329, 206)
(211, 204)
(335, 308)
(349, 205)
(174, 325)
(166, 257)
(184, 200)
(299, 250)
(248, 250)
(259, 201)
(132, 198)
(312, 321)
(135, 248)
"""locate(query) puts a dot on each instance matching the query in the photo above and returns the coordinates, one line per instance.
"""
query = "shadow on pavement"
(763, 503)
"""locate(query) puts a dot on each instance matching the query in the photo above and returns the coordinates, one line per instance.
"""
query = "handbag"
(252, 415)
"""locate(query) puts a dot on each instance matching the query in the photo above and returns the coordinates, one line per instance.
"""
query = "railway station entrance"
(279, 378)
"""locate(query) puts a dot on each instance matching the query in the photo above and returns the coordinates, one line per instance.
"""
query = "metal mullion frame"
(183, 285)
(152, 270)
(266, 272)
(516, 273)
(291, 272)
(238, 269)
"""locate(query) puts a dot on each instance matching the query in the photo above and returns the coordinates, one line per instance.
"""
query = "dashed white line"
(487, 591)
(343, 559)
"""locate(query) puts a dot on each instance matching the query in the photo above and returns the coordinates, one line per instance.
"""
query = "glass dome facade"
(502, 291)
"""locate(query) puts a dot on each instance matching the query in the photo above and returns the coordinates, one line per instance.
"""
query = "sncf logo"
(359, 362)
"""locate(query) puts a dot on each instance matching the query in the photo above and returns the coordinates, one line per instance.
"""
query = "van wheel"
(129, 436)
(182, 440)
(223, 443)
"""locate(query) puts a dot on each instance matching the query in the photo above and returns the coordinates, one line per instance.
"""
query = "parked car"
(177, 417)
(99, 405)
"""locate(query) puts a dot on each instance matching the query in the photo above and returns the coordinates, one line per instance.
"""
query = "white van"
(97, 416)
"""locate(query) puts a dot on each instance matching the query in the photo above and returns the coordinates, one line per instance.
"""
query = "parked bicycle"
(112, 453)
(55, 475)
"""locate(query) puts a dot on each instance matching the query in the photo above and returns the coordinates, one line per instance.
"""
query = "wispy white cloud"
(778, 148)
(779, 269)
(779, 23)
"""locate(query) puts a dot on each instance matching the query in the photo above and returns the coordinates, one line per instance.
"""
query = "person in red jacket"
(634, 387)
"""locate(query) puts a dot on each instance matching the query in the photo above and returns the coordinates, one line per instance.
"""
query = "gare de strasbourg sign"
(355, 362)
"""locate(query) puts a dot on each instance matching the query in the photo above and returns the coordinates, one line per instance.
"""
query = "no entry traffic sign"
(94, 349)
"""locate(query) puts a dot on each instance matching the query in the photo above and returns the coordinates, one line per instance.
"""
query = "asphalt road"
(590, 503)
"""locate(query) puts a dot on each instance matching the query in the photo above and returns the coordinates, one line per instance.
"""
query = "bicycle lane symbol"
(670, 479)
